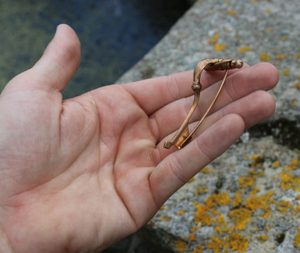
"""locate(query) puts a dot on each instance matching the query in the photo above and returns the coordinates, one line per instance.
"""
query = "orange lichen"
(214, 39)
(280, 57)
(237, 243)
(268, 11)
(165, 218)
(192, 237)
(286, 72)
(218, 199)
(284, 37)
(181, 246)
(297, 239)
(264, 56)
(202, 215)
(263, 202)
(294, 164)
(206, 170)
(221, 226)
(269, 29)
(201, 190)
(283, 206)
(237, 200)
(220, 47)
(262, 238)
(297, 85)
(288, 181)
(246, 181)
(256, 160)
(194, 228)
(241, 217)
(198, 249)
(231, 12)
(215, 244)
(276, 164)
(297, 209)
(180, 212)
(244, 50)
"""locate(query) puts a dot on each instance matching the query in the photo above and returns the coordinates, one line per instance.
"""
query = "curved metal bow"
(183, 135)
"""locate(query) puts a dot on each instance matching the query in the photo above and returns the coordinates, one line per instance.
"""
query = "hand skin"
(78, 174)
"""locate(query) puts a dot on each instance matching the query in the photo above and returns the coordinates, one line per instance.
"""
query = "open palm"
(79, 174)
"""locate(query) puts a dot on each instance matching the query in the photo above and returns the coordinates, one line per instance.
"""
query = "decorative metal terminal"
(183, 135)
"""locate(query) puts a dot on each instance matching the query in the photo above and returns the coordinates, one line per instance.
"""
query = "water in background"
(114, 34)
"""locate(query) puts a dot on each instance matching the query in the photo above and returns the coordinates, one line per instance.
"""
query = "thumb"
(57, 65)
(60, 59)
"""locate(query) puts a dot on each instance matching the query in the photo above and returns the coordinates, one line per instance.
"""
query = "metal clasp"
(183, 135)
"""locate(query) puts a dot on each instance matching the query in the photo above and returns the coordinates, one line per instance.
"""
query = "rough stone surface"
(246, 201)
(250, 30)
(249, 199)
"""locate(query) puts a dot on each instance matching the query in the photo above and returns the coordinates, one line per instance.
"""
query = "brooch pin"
(183, 135)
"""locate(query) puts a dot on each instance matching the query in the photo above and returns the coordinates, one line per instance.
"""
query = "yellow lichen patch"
(269, 29)
(221, 226)
(276, 164)
(243, 50)
(180, 212)
(297, 209)
(237, 243)
(194, 228)
(198, 249)
(284, 37)
(220, 47)
(215, 244)
(241, 217)
(201, 190)
(294, 164)
(297, 239)
(246, 181)
(213, 39)
(298, 197)
(264, 56)
(254, 190)
(286, 72)
(268, 11)
(192, 237)
(297, 56)
(283, 206)
(165, 218)
(181, 246)
(262, 202)
(262, 238)
(231, 12)
(219, 199)
(280, 57)
(237, 200)
(202, 215)
(288, 181)
(207, 170)
(256, 160)
(297, 85)
(255, 172)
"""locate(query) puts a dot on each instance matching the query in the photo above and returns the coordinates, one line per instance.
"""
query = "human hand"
(81, 173)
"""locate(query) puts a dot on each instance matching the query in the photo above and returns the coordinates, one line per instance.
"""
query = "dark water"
(114, 34)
